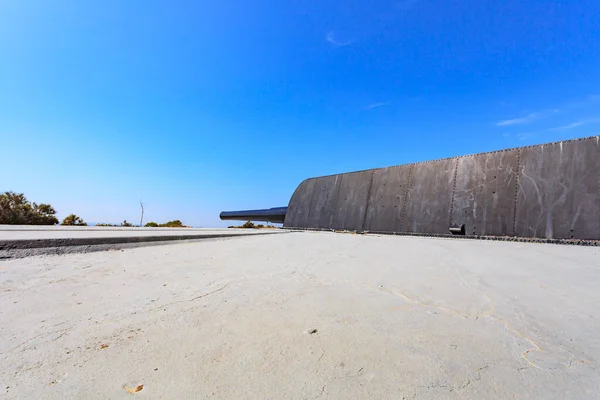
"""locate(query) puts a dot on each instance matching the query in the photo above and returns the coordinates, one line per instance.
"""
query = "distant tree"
(249, 225)
(126, 224)
(105, 224)
(173, 224)
(73, 220)
(15, 209)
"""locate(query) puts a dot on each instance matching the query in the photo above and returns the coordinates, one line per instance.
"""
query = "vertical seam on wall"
(311, 203)
(453, 191)
(516, 192)
(362, 225)
(335, 206)
(405, 197)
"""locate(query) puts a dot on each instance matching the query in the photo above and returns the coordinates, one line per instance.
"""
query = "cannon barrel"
(275, 214)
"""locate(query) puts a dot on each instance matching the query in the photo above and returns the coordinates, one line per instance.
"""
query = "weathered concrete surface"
(549, 191)
(351, 201)
(387, 199)
(297, 215)
(26, 241)
(429, 197)
(559, 194)
(484, 193)
(36, 232)
(320, 215)
(395, 317)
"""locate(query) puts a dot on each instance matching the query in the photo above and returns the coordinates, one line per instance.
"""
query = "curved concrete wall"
(544, 191)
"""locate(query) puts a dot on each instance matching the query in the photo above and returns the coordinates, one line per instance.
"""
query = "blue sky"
(197, 106)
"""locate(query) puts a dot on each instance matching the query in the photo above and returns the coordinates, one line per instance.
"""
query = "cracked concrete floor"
(304, 316)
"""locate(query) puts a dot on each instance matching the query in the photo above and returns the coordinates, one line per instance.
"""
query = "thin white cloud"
(566, 108)
(525, 120)
(576, 124)
(332, 38)
(375, 105)
(585, 101)
(525, 135)
(518, 121)
(567, 127)
(520, 135)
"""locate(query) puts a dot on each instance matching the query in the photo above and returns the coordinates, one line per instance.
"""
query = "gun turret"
(275, 214)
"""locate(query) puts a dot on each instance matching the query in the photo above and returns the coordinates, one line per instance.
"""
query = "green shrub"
(173, 224)
(250, 225)
(15, 209)
(73, 220)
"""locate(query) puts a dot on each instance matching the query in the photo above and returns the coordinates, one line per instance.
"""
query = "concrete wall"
(484, 193)
(386, 201)
(543, 191)
(351, 201)
(559, 190)
(429, 197)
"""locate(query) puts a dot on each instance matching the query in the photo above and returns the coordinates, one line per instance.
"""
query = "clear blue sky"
(201, 106)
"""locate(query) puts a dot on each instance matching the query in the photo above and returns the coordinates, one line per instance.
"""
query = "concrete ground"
(17, 241)
(304, 315)
(25, 232)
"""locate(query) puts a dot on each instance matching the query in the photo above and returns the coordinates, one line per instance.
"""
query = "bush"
(73, 220)
(15, 209)
(173, 224)
(126, 224)
(250, 225)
